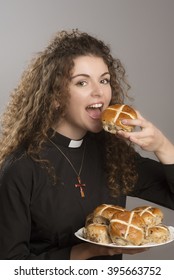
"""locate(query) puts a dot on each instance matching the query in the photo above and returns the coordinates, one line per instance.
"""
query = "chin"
(96, 129)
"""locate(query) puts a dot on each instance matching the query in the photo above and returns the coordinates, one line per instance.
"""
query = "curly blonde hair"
(31, 110)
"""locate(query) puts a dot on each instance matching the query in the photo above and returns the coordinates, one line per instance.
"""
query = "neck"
(63, 140)
(69, 132)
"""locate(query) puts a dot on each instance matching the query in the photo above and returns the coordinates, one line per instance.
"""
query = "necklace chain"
(80, 185)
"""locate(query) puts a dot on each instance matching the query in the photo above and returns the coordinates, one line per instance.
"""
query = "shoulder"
(19, 169)
(18, 160)
(21, 175)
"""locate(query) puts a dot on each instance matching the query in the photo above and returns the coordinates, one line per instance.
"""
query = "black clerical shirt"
(38, 219)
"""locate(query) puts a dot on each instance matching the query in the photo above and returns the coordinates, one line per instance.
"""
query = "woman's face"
(90, 94)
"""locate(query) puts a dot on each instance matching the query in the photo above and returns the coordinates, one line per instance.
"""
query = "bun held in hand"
(113, 115)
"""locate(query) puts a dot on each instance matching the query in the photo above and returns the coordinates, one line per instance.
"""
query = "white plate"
(79, 234)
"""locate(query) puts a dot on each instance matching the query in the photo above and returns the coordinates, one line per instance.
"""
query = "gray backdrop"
(140, 33)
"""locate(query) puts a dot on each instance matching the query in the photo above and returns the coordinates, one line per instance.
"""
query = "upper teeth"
(99, 105)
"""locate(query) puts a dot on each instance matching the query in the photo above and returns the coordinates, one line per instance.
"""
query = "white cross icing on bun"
(107, 210)
(113, 115)
(127, 228)
(151, 215)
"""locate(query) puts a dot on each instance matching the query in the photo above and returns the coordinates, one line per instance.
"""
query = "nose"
(96, 89)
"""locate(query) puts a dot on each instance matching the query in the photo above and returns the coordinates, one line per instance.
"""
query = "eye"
(81, 83)
(105, 81)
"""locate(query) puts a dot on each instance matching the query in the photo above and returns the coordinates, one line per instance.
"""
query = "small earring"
(57, 105)
(57, 108)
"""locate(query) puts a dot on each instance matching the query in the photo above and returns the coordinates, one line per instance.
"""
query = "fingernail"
(124, 121)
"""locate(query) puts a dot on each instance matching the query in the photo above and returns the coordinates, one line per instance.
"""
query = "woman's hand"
(85, 251)
(149, 138)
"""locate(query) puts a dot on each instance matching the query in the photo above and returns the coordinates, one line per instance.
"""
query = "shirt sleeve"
(16, 183)
(155, 182)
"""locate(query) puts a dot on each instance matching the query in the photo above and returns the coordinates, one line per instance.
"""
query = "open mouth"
(94, 110)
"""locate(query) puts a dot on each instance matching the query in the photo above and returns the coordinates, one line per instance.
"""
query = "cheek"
(77, 100)
(108, 95)
(73, 108)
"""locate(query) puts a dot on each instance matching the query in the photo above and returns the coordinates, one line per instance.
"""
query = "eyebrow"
(86, 75)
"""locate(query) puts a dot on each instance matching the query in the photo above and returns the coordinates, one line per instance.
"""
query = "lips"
(94, 110)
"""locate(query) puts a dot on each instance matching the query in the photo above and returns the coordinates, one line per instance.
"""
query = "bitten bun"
(127, 228)
(151, 215)
(113, 115)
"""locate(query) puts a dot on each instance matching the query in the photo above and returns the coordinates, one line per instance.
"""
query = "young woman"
(58, 164)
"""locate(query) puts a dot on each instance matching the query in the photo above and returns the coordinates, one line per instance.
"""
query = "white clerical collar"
(75, 143)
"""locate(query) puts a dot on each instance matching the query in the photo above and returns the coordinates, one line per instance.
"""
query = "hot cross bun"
(127, 228)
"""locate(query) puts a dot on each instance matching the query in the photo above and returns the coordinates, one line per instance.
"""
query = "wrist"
(165, 152)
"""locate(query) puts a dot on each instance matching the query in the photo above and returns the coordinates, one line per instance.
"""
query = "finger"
(134, 134)
(143, 134)
(113, 251)
(139, 142)
(144, 143)
(134, 251)
(136, 122)
(123, 134)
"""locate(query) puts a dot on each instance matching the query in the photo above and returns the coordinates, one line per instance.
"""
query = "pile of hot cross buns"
(114, 224)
